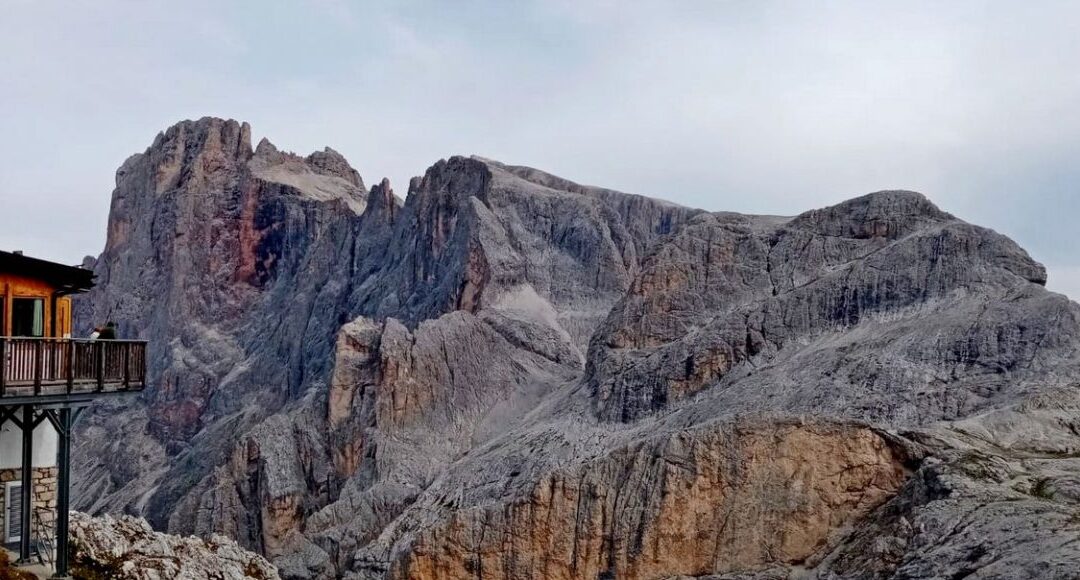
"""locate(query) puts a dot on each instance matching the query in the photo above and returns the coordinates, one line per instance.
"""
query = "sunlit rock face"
(509, 375)
(717, 499)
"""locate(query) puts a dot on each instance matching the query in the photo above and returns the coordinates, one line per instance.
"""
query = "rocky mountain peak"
(230, 136)
(324, 177)
(884, 214)
(449, 181)
(216, 232)
(331, 162)
(382, 202)
(726, 293)
(266, 148)
(204, 154)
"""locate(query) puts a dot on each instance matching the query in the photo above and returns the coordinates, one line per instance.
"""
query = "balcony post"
(99, 346)
(3, 365)
(27, 481)
(127, 366)
(39, 364)
(63, 491)
(70, 365)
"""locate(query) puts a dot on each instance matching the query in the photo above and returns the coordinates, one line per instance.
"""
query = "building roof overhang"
(66, 279)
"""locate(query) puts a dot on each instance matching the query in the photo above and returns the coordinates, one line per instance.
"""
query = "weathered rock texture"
(128, 548)
(732, 498)
(998, 497)
(509, 375)
(956, 316)
(206, 238)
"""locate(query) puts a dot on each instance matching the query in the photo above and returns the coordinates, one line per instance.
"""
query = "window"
(12, 512)
(28, 317)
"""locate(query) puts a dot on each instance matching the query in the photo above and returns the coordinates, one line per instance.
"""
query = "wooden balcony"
(56, 368)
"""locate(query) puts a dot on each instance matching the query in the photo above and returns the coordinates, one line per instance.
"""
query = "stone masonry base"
(44, 497)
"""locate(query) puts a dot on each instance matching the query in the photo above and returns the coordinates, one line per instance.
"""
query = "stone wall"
(44, 482)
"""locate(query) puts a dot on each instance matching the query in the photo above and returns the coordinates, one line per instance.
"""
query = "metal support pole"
(27, 480)
(63, 489)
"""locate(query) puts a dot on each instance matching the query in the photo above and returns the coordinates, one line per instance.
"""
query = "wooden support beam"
(10, 414)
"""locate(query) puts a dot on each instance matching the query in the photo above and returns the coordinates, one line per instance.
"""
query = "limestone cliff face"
(433, 383)
(958, 310)
(442, 384)
(241, 264)
(475, 234)
(997, 497)
(719, 499)
(404, 405)
(883, 308)
(510, 375)
(206, 237)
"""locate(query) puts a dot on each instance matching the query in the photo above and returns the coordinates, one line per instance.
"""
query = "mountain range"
(508, 375)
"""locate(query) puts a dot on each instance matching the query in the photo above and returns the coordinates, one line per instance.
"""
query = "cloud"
(769, 107)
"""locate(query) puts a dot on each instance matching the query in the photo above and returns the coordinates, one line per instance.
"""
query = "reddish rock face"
(207, 237)
(714, 500)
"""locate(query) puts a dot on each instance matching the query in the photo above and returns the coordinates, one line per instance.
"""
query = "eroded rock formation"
(510, 375)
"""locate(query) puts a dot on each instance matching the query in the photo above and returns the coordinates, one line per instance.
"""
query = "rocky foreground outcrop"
(128, 548)
(509, 375)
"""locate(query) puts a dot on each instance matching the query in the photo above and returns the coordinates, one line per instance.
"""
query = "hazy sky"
(756, 106)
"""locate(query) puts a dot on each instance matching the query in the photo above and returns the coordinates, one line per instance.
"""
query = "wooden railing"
(36, 366)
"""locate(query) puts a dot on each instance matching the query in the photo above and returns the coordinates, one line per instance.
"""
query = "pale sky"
(756, 106)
